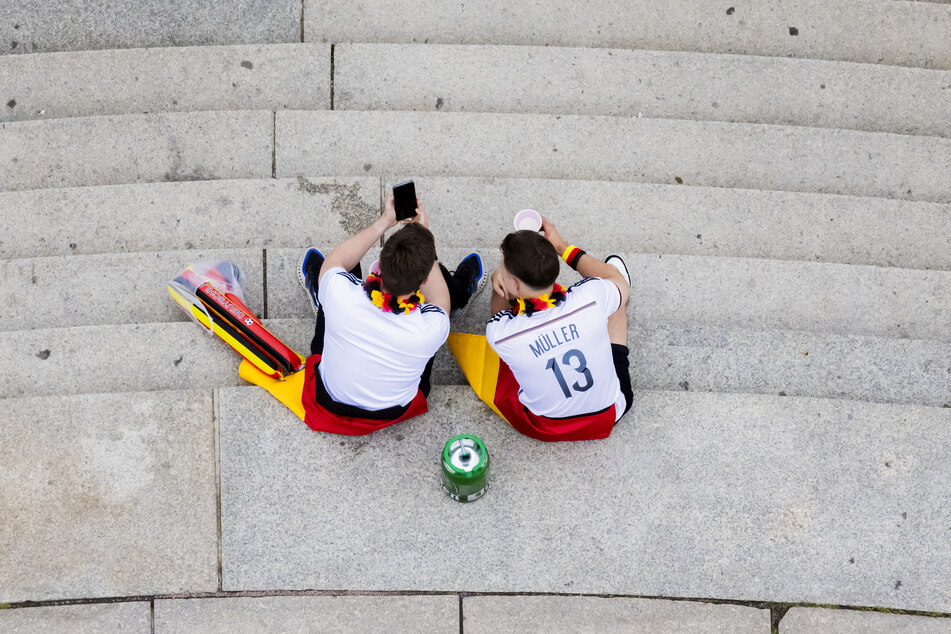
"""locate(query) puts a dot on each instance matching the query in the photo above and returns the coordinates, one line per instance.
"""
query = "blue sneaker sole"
(302, 277)
(480, 284)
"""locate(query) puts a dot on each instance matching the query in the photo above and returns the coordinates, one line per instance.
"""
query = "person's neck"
(399, 297)
(533, 293)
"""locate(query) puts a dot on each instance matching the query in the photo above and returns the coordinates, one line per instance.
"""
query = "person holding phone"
(375, 339)
(564, 370)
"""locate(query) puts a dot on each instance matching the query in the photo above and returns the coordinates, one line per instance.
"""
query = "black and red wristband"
(572, 255)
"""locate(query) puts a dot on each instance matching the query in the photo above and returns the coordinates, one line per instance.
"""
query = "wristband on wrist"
(571, 256)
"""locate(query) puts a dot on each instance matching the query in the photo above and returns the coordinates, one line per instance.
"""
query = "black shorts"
(622, 366)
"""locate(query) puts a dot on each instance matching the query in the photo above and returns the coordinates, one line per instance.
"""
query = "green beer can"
(465, 468)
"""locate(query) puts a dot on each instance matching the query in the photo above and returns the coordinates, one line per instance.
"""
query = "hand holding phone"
(404, 199)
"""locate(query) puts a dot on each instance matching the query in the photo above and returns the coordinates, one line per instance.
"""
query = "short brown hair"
(407, 258)
(530, 257)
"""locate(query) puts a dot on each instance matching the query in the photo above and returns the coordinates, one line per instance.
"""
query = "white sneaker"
(618, 263)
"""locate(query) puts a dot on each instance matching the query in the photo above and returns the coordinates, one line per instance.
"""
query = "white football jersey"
(373, 360)
(561, 356)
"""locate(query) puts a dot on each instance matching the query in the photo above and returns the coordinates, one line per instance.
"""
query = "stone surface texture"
(286, 297)
(83, 360)
(792, 363)
(180, 216)
(770, 362)
(135, 148)
(706, 153)
(64, 25)
(833, 298)
(774, 173)
(169, 356)
(739, 293)
(187, 79)
(707, 503)
(92, 290)
(158, 356)
(324, 614)
(555, 615)
(107, 495)
(650, 218)
(894, 33)
(653, 84)
(819, 621)
(102, 618)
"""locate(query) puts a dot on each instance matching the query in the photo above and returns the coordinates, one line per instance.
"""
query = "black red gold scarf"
(532, 305)
(373, 287)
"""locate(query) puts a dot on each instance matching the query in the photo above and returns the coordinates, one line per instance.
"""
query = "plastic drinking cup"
(528, 220)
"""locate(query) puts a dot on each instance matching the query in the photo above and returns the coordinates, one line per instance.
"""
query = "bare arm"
(588, 266)
(351, 250)
(434, 288)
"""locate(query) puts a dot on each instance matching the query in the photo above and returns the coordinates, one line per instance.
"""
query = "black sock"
(458, 293)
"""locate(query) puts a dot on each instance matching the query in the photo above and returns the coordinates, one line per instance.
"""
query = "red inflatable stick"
(232, 310)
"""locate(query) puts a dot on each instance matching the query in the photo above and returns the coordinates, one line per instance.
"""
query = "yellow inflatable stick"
(288, 390)
(222, 329)
(479, 363)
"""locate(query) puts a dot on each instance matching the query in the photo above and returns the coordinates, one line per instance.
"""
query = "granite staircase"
(776, 175)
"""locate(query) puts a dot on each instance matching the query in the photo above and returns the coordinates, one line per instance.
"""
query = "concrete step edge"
(49, 86)
(643, 218)
(165, 356)
(105, 150)
(733, 155)
(810, 29)
(655, 84)
(469, 394)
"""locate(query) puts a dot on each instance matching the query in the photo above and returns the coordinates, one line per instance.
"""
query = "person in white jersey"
(375, 339)
(564, 371)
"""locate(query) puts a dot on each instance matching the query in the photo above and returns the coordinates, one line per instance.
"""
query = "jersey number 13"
(581, 367)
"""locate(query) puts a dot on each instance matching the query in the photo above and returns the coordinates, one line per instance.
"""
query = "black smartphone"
(404, 199)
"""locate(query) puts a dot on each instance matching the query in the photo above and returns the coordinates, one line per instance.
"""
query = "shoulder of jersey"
(431, 308)
(502, 314)
(350, 276)
(583, 281)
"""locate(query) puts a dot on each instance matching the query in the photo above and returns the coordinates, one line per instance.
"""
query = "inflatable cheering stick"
(211, 294)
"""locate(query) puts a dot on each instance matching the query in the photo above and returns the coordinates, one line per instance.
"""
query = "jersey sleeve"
(604, 292)
(437, 323)
(336, 282)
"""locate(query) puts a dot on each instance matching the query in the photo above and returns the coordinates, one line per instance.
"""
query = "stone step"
(770, 362)
(112, 495)
(647, 218)
(873, 31)
(475, 212)
(694, 495)
(817, 621)
(733, 155)
(86, 360)
(727, 292)
(346, 614)
(133, 617)
(64, 25)
(92, 290)
(564, 614)
(440, 614)
(653, 84)
(668, 291)
(136, 148)
(182, 216)
(172, 356)
(152, 80)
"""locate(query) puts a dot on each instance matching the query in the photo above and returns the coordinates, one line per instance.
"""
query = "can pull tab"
(464, 453)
